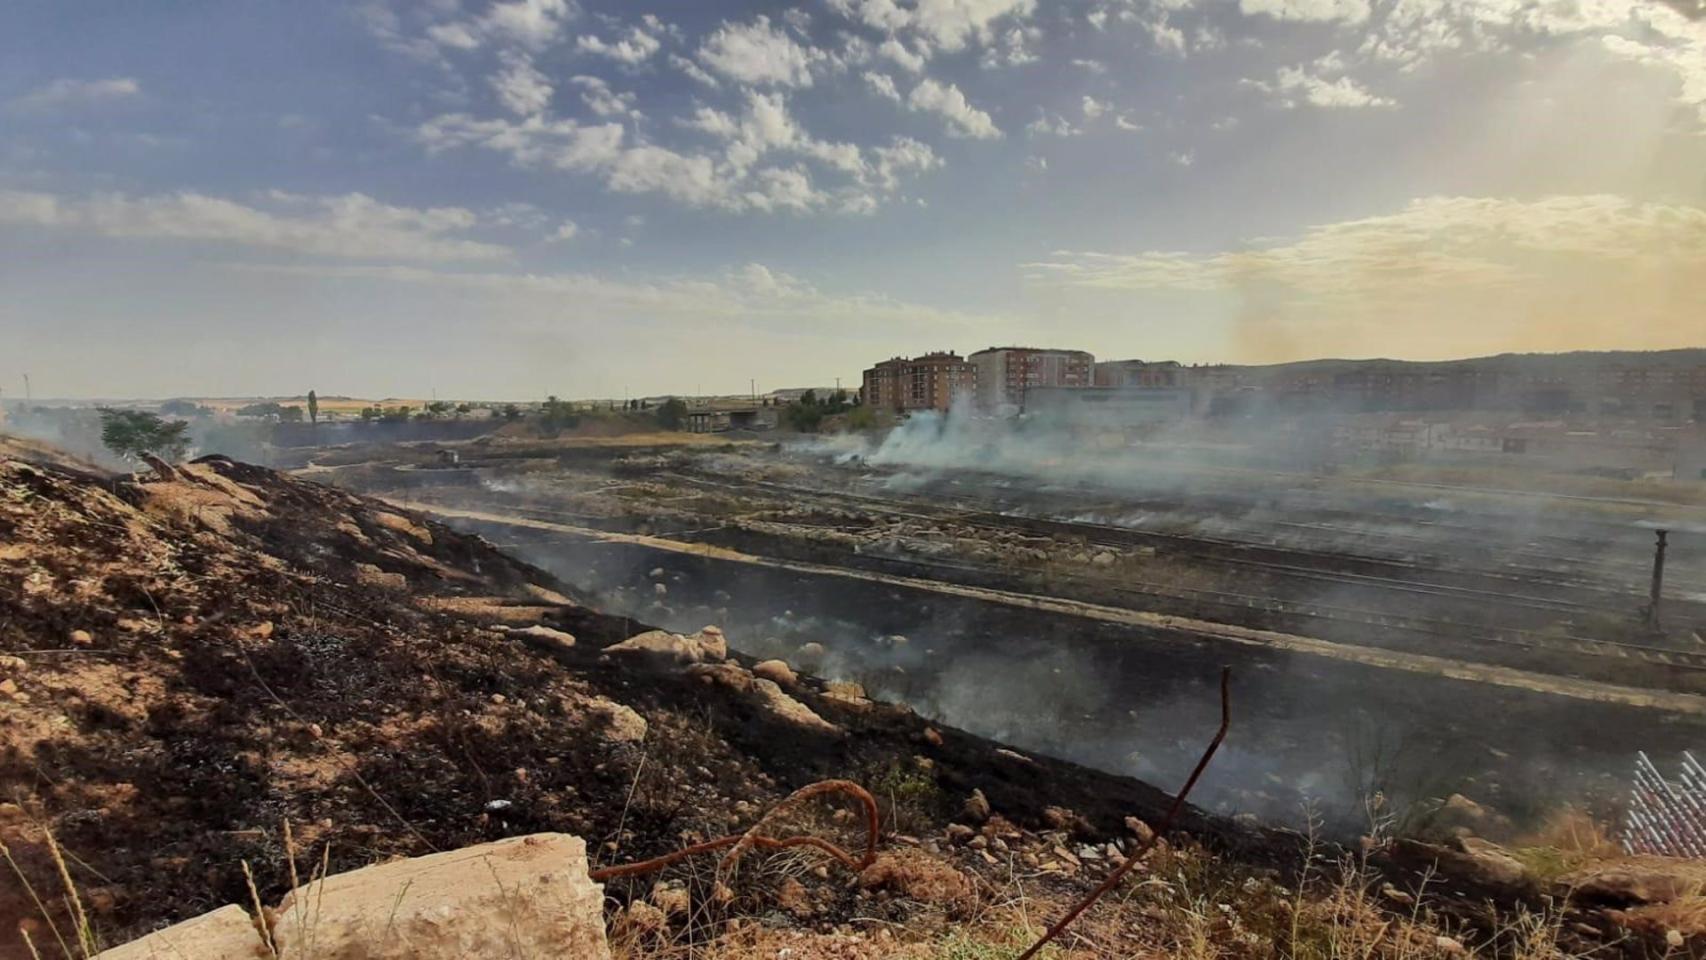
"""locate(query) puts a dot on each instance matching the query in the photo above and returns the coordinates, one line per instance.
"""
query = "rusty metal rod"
(1166, 823)
(751, 838)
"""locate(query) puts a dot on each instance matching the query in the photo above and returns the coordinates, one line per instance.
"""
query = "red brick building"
(929, 382)
(1005, 374)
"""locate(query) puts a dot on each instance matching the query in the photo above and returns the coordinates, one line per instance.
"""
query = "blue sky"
(542, 196)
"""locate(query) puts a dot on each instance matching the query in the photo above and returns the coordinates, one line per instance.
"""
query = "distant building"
(1107, 407)
(1006, 374)
(929, 382)
(1139, 373)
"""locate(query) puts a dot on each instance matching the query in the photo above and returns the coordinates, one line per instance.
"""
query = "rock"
(228, 933)
(1450, 946)
(697, 648)
(917, 876)
(1103, 559)
(369, 575)
(1636, 881)
(660, 589)
(8, 687)
(846, 691)
(81, 638)
(641, 919)
(542, 638)
(620, 722)
(524, 896)
(960, 833)
(13, 665)
(810, 656)
(672, 898)
(792, 897)
(656, 574)
(932, 736)
(1140, 830)
(1060, 818)
(784, 707)
(1461, 816)
(712, 641)
(976, 808)
(776, 671)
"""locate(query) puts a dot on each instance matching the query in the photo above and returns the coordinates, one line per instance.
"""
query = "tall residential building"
(1138, 373)
(1005, 374)
(929, 382)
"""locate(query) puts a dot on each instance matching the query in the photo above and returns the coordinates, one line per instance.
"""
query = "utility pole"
(1658, 578)
(29, 398)
(752, 388)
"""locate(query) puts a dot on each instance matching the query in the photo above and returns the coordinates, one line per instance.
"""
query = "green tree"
(291, 414)
(671, 413)
(131, 433)
(370, 414)
(804, 417)
(556, 415)
(511, 412)
(313, 408)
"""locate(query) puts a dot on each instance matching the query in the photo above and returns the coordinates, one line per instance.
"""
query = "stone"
(542, 638)
(697, 648)
(1140, 830)
(523, 896)
(228, 933)
(776, 671)
(976, 808)
(369, 575)
(81, 638)
(960, 833)
(620, 722)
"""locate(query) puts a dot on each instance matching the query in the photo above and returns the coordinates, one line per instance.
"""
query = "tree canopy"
(131, 433)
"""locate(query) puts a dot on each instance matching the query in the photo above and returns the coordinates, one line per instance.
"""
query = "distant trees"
(131, 433)
(509, 412)
(290, 414)
(385, 414)
(184, 408)
(806, 414)
(671, 413)
(556, 415)
(265, 410)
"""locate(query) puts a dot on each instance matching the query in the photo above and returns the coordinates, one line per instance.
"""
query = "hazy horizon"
(529, 197)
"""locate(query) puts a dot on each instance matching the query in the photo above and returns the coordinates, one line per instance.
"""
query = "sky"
(503, 200)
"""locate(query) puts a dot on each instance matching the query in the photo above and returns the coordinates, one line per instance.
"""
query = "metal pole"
(1658, 577)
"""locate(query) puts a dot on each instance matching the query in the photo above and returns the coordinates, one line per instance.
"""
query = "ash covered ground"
(1406, 640)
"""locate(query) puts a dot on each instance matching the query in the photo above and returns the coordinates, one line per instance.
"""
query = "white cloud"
(633, 48)
(1094, 108)
(600, 99)
(1314, 11)
(567, 230)
(1126, 123)
(1316, 85)
(1052, 125)
(1447, 275)
(520, 87)
(883, 84)
(736, 178)
(353, 226)
(897, 51)
(758, 54)
(693, 70)
(67, 91)
(948, 24)
(534, 23)
(902, 157)
(946, 100)
(1012, 48)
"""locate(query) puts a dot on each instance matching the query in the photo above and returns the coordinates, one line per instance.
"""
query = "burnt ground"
(188, 663)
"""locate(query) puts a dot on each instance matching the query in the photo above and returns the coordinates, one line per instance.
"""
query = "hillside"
(189, 661)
